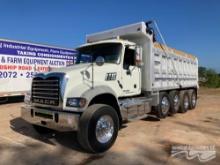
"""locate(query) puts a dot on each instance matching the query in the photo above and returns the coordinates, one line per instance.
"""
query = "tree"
(202, 71)
(212, 79)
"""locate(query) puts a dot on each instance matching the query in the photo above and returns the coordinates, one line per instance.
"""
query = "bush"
(211, 77)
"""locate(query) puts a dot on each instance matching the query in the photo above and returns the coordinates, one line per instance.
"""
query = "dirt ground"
(147, 141)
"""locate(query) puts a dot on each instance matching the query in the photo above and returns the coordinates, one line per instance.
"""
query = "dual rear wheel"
(188, 100)
(175, 101)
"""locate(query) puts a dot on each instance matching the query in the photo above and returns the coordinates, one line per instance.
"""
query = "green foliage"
(209, 78)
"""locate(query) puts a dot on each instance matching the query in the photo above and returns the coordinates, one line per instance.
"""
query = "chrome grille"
(46, 91)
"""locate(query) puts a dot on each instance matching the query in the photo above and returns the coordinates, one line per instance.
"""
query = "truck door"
(131, 74)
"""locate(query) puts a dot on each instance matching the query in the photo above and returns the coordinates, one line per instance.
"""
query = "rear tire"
(174, 102)
(163, 108)
(184, 101)
(98, 128)
(193, 99)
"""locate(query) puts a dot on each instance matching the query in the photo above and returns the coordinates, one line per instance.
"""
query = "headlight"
(76, 102)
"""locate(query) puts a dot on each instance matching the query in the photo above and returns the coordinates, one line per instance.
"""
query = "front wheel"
(98, 128)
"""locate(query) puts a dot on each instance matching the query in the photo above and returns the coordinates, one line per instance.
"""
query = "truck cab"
(115, 64)
(104, 72)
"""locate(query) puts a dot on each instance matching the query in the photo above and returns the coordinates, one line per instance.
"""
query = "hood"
(78, 68)
(71, 68)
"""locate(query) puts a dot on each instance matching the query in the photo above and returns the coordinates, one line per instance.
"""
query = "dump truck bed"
(173, 68)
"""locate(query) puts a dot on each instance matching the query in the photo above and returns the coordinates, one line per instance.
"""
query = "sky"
(189, 25)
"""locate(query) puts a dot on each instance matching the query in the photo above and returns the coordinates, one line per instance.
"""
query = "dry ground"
(146, 141)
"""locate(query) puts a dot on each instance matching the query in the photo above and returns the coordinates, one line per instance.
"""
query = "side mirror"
(129, 70)
(100, 61)
(138, 56)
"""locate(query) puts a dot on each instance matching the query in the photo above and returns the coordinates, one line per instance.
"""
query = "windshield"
(109, 51)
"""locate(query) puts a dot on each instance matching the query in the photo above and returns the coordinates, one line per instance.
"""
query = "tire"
(192, 99)
(174, 102)
(163, 108)
(92, 120)
(184, 101)
(41, 130)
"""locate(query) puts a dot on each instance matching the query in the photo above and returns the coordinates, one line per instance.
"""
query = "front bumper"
(57, 120)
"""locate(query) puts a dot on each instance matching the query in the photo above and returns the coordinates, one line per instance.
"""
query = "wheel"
(174, 102)
(184, 101)
(98, 128)
(192, 99)
(41, 130)
(163, 108)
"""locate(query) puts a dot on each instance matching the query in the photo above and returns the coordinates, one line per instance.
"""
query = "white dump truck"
(19, 61)
(127, 76)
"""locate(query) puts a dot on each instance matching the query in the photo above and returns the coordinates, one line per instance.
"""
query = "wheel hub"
(186, 102)
(176, 101)
(193, 100)
(165, 105)
(104, 129)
